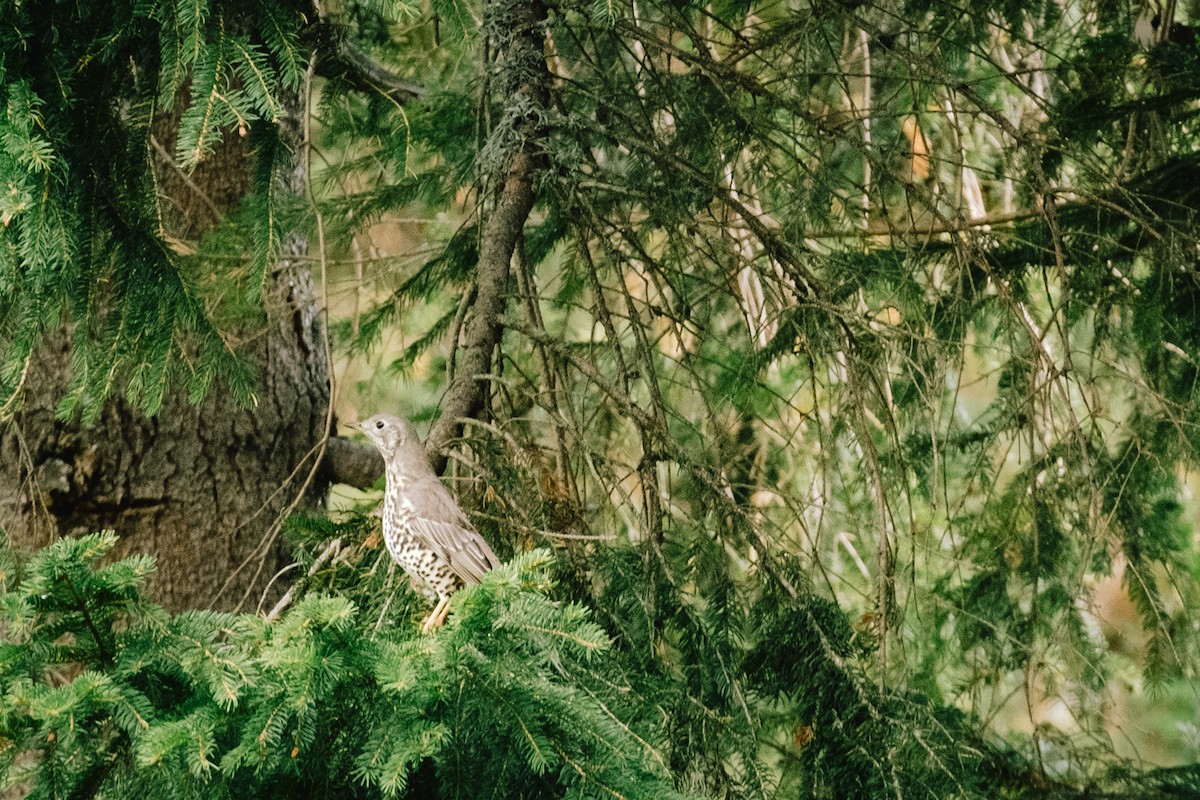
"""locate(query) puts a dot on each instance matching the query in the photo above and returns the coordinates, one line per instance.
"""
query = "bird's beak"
(354, 425)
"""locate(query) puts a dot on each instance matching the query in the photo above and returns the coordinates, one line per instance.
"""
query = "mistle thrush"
(426, 531)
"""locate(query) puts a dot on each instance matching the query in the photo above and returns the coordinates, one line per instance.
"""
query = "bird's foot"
(437, 616)
(441, 618)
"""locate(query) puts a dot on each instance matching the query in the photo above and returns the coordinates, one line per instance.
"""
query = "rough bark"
(523, 80)
(198, 486)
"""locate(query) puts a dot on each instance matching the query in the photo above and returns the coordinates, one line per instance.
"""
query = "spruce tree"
(826, 370)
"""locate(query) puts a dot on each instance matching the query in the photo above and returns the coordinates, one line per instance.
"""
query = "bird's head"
(390, 434)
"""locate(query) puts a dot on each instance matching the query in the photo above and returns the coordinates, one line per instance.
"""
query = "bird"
(426, 531)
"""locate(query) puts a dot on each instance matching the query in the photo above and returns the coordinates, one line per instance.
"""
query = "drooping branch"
(339, 58)
(517, 27)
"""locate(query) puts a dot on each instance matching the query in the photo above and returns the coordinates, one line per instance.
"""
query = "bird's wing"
(443, 527)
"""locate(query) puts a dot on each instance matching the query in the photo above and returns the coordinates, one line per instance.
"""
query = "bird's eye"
(379, 424)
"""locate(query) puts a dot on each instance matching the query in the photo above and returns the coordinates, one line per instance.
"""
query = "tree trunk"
(200, 487)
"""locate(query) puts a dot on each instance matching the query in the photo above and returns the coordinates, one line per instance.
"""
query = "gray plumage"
(426, 531)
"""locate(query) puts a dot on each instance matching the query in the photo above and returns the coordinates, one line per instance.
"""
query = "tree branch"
(522, 65)
(342, 60)
(354, 463)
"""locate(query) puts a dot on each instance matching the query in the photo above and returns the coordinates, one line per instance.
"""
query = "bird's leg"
(441, 618)
(437, 616)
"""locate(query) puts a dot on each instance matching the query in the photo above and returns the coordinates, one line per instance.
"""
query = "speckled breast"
(423, 566)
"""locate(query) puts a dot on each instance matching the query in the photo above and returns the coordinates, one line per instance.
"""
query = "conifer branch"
(339, 58)
(525, 81)
(82, 607)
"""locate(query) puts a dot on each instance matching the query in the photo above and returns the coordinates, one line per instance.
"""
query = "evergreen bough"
(105, 694)
(521, 695)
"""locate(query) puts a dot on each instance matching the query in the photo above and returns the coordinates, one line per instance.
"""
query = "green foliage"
(850, 358)
(521, 695)
(925, 353)
(85, 90)
(105, 694)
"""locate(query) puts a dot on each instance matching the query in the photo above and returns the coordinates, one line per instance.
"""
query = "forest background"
(825, 373)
